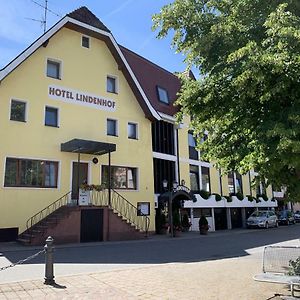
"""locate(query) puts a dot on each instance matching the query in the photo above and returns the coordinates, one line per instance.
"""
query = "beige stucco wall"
(84, 70)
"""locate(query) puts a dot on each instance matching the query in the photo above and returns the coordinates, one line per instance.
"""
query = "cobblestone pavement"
(228, 279)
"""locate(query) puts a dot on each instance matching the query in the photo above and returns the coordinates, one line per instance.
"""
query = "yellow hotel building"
(88, 137)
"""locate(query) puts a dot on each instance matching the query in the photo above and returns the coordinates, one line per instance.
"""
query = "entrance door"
(91, 229)
(220, 218)
(236, 217)
(83, 177)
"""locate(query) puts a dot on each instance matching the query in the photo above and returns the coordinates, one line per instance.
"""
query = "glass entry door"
(83, 177)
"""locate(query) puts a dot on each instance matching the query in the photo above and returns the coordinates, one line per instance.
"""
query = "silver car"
(297, 216)
(262, 218)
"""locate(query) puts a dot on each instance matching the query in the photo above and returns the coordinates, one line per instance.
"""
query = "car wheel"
(267, 225)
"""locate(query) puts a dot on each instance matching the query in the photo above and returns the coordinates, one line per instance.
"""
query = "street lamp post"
(170, 203)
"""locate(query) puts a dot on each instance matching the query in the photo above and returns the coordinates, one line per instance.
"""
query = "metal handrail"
(123, 207)
(100, 198)
(47, 211)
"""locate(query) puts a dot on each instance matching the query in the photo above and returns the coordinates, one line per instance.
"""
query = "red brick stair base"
(67, 229)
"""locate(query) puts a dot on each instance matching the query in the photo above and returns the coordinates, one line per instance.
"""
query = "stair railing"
(38, 217)
(99, 198)
(123, 207)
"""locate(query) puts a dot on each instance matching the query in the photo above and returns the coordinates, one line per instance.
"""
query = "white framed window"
(235, 183)
(132, 130)
(85, 41)
(205, 179)
(122, 177)
(32, 173)
(111, 84)
(18, 110)
(194, 178)
(51, 116)
(54, 69)
(163, 95)
(112, 127)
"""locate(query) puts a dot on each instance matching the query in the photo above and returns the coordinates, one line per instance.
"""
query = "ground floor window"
(122, 177)
(198, 212)
(30, 173)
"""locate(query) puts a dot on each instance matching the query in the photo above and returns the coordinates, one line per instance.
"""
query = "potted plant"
(203, 225)
(185, 223)
(176, 223)
(161, 223)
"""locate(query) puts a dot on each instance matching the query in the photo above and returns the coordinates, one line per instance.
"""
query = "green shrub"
(204, 194)
(294, 267)
(240, 196)
(250, 198)
(264, 196)
(228, 198)
(217, 196)
(185, 221)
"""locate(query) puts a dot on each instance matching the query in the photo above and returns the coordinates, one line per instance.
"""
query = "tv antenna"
(43, 21)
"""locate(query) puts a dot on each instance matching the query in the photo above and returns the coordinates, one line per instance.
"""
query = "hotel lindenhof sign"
(81, 98)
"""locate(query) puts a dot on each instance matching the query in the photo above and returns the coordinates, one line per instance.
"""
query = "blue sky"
(129, 20)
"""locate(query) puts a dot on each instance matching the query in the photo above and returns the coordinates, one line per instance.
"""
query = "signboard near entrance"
(84, 197)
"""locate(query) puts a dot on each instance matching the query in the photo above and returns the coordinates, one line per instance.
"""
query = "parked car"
(286, 217)
(262, 218)
(297, 215)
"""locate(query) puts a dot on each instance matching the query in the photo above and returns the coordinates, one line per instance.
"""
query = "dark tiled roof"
(150, 76)
(84, 15)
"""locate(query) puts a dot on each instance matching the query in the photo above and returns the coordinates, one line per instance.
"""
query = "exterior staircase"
(39, 231)
(63, 221)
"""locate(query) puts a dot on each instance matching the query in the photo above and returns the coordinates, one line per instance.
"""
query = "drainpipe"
(250, 184)
(177, 154)
(220, 182)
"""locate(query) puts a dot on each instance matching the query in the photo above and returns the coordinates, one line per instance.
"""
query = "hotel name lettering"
(81, 98)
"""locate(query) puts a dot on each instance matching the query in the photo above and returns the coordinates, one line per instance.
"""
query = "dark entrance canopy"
(181, 193)
(87, 147)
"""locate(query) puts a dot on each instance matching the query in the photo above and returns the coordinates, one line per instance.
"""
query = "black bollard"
(49, 275)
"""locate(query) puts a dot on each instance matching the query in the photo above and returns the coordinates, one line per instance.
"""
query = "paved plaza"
(223, 275)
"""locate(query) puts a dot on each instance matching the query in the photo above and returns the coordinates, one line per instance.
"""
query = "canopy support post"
(78, 176)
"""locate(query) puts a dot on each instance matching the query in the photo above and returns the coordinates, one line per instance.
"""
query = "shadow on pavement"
(189, 247)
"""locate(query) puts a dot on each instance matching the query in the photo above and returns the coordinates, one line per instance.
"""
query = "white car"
(262, 218)
(297, 216)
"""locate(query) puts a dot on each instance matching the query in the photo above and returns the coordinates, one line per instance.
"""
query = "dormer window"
(85, 41)
(163, 95)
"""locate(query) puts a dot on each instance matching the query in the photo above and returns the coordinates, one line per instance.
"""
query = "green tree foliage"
(248, 92)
